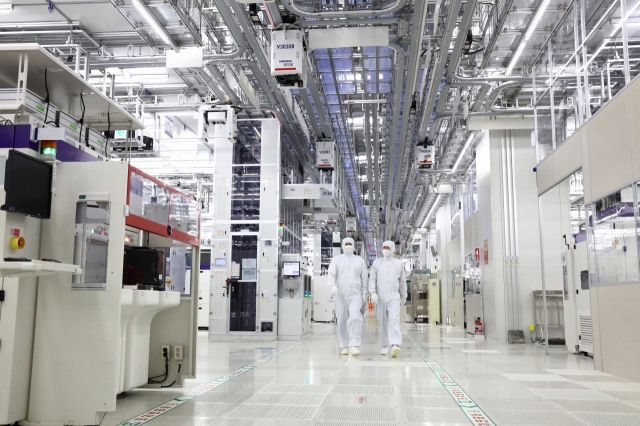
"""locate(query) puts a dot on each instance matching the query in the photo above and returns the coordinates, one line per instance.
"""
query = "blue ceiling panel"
(343, 64)
(381, 88)
(383, 63)
(383, 76)
(341, 52)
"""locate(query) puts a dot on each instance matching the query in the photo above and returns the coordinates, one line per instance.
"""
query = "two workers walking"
(350, 282)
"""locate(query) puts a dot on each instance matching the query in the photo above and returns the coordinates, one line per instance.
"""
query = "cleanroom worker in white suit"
(388, 288)
(348, 283)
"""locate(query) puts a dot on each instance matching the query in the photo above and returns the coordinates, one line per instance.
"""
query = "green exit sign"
(82, 197)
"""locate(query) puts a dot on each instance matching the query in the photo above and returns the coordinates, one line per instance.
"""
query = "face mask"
(348, 249)
(386, 253)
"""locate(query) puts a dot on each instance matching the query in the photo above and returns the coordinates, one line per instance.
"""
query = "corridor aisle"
(311, 384)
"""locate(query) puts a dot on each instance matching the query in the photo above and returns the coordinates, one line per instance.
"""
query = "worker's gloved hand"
(374, 298)
(334, 291)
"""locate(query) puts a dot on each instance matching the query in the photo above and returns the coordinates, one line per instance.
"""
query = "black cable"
(475, 51)
(81, 119)
(166, 373)
(106, 143)
(46, 88)
(174, 382)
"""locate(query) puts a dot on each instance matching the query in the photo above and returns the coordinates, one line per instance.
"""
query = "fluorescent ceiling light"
(631, 12)
(464, 150)
(431, 211)
(6, 8)
(147, 16)
(527, 35)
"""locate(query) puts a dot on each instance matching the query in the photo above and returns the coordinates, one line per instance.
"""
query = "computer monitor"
(221, 261)
(142, 266)
(290, 269)
(27, 183)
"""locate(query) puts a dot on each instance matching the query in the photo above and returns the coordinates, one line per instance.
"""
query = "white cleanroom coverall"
(388, 279)
(348, 273)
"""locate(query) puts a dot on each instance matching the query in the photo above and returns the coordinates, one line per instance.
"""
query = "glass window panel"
(245, 193)
(248, 147)
(184, 215)
(615, 238)
(149, 200)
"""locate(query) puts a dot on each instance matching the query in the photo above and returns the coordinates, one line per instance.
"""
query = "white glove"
(334, 291)
(374, 298)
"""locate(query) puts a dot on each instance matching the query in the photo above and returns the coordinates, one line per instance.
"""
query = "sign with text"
(486, 252)
(168, 126)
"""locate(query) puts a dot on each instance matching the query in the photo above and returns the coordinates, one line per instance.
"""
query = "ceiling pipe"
(315, 94)
(39, 24)
(454, 8)
(409, 200)
(291, 7)
(53, 32)
(397, 91)
(441, 61)
(309, 107)
(259, 53)
(469, 7)
(402, 24)
(420, 15)
(497, 30)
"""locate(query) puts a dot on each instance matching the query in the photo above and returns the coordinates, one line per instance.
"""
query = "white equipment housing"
(424, 156)
(352, 224)
(217, 123)
(288, 58)
(294, 307)
(246, 308)
(325, 154)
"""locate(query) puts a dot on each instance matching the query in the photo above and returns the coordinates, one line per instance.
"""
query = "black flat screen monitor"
(142, 266)
(290, 269)
(27, 183)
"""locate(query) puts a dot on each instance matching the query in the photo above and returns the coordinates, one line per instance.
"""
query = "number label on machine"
(424, 156)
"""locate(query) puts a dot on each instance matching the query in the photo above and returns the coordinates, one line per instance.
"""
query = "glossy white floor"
(312, 384)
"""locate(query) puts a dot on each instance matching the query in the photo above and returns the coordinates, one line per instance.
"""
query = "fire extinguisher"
(478, 326)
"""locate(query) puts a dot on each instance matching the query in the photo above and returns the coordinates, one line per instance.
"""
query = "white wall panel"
(609, 149)
(586, 165)
(529, 275)
(348, 37)
(633, 105)
(568, 157)
(485, 232)
(546, 174)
